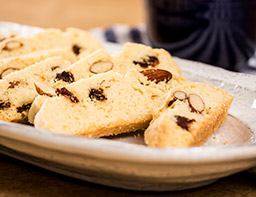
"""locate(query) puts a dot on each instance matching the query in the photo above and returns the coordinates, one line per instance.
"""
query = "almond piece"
(101, 67)
(157, 75)
(13, 44)
(180, 95)
(7, 71)
(44, 89)
(196, 103)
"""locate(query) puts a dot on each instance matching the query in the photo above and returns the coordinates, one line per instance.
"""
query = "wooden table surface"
(24, 180)
(21, 179)
(84, 14)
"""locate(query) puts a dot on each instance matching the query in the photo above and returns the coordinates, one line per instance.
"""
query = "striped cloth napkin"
(121, 34)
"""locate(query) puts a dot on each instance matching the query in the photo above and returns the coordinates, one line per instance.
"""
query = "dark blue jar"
(217, 32)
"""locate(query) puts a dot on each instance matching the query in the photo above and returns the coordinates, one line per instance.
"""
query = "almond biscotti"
(79, 40)
(100, 62)
(141, 57)
(17, 89)
(12, 64)
(132, 56)
(97, 62)
(105, 104)
(39, 100)
(82, 69)
(188, 116)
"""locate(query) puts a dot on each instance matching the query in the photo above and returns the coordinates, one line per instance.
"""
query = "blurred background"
(84, 14)
(215, 32)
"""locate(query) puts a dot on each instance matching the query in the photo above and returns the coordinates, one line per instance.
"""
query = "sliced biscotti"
(81, 69)
(12, 64)
(100, 62)
(188, 116)
(18, 91)
(143, 57)
(132, 56)
(79, 40)
(97, 62)
(37, 104)
(105, 104)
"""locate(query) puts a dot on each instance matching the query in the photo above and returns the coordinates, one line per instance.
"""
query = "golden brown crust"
(164, 131)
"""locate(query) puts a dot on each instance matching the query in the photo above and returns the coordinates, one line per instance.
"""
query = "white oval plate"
(125, 162)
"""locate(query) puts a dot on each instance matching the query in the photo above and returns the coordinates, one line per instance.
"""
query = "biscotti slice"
(143, 57)
(188, 116)
(81, 69)
(12, 64)
(79, 40)
(132, 56)
(37, 104)
(18, 91)
(105, 104)
(97, 62)
(100, 62)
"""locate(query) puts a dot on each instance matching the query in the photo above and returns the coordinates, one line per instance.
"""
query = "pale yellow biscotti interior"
(18, 91)
(96, 94)
(49, 39)
(100, 62)
(38, 58)
(12, 64)
(121, 104)
(188, 116)
(141, 57)
(132, 56)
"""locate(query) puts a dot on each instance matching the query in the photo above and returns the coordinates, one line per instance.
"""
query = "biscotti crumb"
(216, 137)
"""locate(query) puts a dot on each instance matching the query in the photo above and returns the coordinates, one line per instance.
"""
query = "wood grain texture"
(22, 179)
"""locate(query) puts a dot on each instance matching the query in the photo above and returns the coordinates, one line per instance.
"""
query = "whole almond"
(196, 103)
(101, 67)
(7, 71)
(157, 75)
(44, 89)
(12, 44)
(180, 95)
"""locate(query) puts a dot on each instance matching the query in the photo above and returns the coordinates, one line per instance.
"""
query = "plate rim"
(125, 151)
